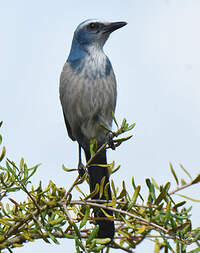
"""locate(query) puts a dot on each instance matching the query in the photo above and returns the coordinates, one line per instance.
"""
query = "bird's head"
(95, 32)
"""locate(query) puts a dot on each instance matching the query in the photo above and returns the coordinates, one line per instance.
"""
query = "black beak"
(113, 26)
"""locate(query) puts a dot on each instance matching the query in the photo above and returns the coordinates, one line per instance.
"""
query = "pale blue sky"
(156, 59)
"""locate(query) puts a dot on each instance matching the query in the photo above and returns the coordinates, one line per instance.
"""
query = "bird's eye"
(93, 26)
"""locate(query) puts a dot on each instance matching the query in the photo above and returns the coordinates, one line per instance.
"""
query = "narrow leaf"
(101, 190)
(94, 193)
(113, 189)
(186, 172)
(102, 241)
(93, 234)
(134, 186)
(163, 194)
(134, 198)
(173, 173)
(86, 216)
(106, 189)
(194, 200)
(53, 238)
(66, 169)
(76, 230)
(174, 208)
(151, 188)
(154, 183)
(3, 153)
(114, 119)
(79, 244)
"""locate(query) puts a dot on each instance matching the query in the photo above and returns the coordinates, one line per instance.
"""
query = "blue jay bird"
(88, 97)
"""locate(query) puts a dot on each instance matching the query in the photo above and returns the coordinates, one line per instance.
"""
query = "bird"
(88, 97)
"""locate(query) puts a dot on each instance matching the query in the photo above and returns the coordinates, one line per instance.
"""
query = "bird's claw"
(81, 169)
(110, 141)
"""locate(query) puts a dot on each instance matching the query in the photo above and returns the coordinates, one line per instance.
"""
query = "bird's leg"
(81, 167)
(110, 141)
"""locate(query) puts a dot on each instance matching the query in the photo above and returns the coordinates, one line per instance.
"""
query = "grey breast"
(88, 98)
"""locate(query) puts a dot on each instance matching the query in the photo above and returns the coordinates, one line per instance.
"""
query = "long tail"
(96, 173)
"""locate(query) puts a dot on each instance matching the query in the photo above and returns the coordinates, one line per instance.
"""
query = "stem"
(180, 188)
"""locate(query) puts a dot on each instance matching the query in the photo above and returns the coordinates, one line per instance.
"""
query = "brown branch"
(78, 202)
(120, 203)
(180, 188)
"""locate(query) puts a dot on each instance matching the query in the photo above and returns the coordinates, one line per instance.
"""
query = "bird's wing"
(63, 89)
(69, 130)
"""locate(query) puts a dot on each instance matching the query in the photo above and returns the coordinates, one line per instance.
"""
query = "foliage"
(50, 213)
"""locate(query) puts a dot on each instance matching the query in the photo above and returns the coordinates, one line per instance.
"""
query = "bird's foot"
(81, 169)
(110, 141)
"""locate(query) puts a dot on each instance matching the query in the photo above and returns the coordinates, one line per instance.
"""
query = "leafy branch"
(50, 212)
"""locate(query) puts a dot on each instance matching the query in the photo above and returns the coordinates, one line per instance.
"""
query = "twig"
(67, 214)
(70, 189)
(119, 202)
(97, 152)
(180, 188)
(78, 202)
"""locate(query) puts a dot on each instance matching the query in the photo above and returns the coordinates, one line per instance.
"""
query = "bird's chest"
(95, 68)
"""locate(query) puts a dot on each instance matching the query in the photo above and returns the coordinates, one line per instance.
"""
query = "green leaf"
(173, 173)
(66, 169)
(163, 194)
(115, 170)
(123, 123)
(94, 193)
(134, 198)
(167, 244)
(21, 164)
(56, 221)
(82, 179)
(102, 241)
(79, 244)
(134, 186)
(131, 127)
(3, 153)
(86, 216)
(183, 182)
(151, 189)
(93, 234)
(123, 191)
(123, 139)
(107, 186)
(113, 189)
(128, 223)
(93, 146)
(154, 183)
(79, 190)
(194, 200)
(174, 208)
(106, 214)
(76, 230)
(53, 238)
(186, 172)
(167, 215)
(101, 189)
(114, 119)
(106, 128)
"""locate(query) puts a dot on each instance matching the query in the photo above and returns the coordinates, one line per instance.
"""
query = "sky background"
(156, 59)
